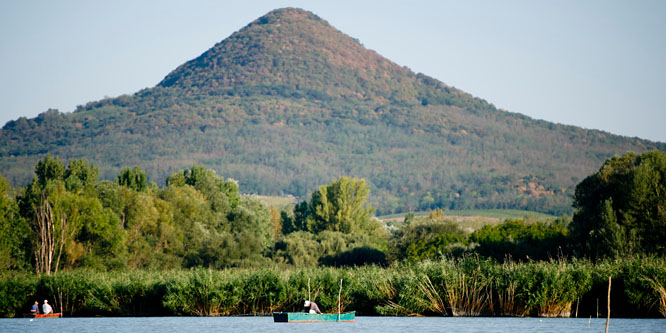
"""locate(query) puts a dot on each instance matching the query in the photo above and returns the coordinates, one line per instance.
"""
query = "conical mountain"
(289, 103)
(295, 50)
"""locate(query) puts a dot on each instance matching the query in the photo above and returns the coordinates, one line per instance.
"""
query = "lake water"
(362, 324)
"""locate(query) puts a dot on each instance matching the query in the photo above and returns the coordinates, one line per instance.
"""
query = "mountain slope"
(288, 103)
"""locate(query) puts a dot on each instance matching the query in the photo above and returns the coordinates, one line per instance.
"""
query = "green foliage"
(358, 256)
(328, 227)
(440, 245)
(621, 208)
(222, 195)
(340, 206)
(427, 238)
(520, 240)
(49, 170)
(201, 293)
(16, 291)
(79, 175)
(133, 178)
(221, 228)
(645, 280)
(14, 232)
(459, 287)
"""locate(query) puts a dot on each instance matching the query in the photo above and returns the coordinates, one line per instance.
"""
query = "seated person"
(46, 308)
(35, 308)
(310, 307)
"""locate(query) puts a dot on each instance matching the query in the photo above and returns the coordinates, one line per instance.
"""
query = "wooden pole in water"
(608, 314)
(339, 296)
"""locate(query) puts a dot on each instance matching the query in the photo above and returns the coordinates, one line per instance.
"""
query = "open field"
(501, 214)
(278, 202)
(473, 219)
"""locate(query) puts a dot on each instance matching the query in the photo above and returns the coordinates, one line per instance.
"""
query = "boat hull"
(303, 317)
(50, 315)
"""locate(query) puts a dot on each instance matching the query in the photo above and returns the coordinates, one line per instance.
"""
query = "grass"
(474, 219)
(502, 214)
(278, 202)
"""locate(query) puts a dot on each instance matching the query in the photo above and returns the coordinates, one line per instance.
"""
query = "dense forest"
(67, 218)
(288, 103)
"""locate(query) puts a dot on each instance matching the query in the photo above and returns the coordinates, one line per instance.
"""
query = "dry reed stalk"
(466, 299)
(555, 310)
(662, 300)
(661, 292)
(507, 301)
(553, 307)
(401, 309)
(435, 301)
(385, 286)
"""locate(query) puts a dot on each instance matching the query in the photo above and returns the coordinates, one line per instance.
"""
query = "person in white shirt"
(310, 307)
(46, 308)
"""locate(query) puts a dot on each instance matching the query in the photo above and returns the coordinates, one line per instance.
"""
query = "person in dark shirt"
(310, 307)
(35, 308)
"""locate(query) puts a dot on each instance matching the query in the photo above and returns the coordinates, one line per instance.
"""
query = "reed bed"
(453, 287)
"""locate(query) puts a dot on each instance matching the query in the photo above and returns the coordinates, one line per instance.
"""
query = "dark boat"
(304, 317)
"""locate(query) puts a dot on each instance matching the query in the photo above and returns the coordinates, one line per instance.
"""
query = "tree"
(425, 238)
(340, 206)
(621, 209)
(14, 232)
(296, 221)
(335, 220)
(609, 238)
(222, 195)
(133, 178)
(252, 228)
(153, 239)
(80, 175)
(38, 205)
(48, 170)
(520, 240)
(51, 228)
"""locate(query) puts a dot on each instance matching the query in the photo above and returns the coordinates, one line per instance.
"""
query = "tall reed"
(661, 291)
(458, 287)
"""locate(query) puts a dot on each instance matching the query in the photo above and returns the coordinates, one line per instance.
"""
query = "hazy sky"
(593, 64)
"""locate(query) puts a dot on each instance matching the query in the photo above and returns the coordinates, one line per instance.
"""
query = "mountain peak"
(288, 101)
(287, 13)
(296, 49)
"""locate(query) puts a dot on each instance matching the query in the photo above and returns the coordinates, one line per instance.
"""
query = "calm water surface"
(362, 324)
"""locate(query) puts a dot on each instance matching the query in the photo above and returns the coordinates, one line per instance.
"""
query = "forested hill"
(288, 103)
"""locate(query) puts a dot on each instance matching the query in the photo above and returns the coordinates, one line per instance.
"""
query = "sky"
(593, 64)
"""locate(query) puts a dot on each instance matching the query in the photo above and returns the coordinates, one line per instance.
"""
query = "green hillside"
(288, 103)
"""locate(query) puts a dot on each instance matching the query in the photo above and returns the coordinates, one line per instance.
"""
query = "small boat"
(304, 317)
(37, 315)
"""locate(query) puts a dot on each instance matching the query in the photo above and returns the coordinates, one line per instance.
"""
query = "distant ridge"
(288, 103)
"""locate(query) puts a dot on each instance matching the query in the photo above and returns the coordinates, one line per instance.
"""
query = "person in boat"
(35, 308)
(310, 307)
(46, 308)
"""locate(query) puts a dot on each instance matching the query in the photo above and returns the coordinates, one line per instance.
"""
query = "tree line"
(66, 218)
